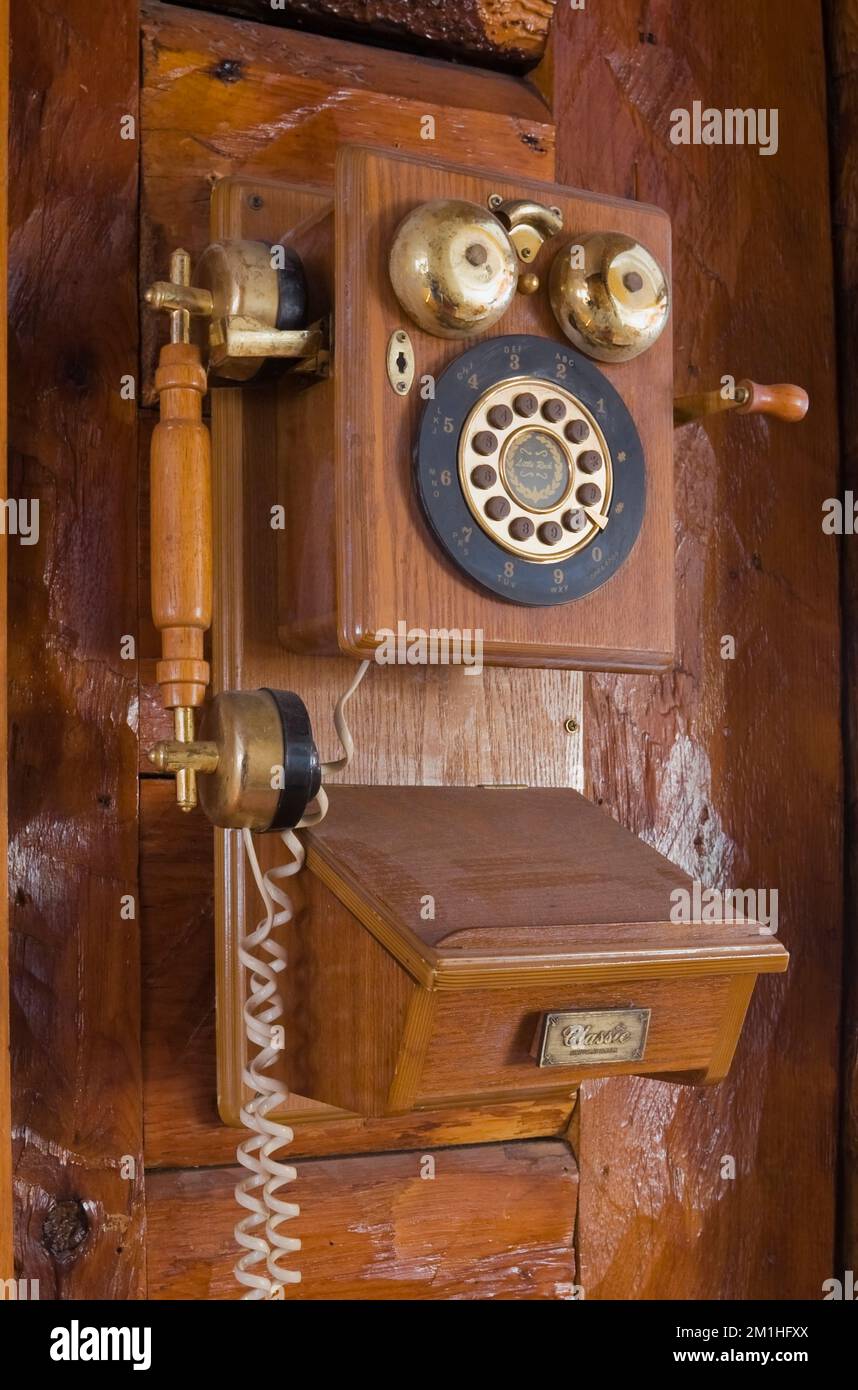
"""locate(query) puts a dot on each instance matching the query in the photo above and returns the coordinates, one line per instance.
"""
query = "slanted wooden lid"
(538, 875)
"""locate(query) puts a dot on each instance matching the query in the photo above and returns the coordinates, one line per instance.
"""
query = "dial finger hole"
(521, 528)
(485, 442)
(588, 494)
(577, 431)
(483, 475)
(554, 410)
(589, 461)
(497, 508)
(500, 417)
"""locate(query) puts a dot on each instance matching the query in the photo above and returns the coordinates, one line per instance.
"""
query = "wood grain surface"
(180, 493)
(5, 1079)
(446, 1008)
(584, 875)
(73, 694)
(732, 768)
(506, 33)
(495, 1221)
(842, 40)
(412, 1046)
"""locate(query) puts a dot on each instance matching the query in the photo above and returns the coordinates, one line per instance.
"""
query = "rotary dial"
(535, 469)
(530, 470)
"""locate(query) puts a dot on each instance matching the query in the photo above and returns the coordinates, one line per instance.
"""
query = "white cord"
(259, 1234)
(262, 1008)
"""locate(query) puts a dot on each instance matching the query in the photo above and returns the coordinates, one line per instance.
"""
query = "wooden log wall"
(842, 40)
(496, 1221)
(77, 1112)
(498, 33)
(731, 768)
(6, 1256)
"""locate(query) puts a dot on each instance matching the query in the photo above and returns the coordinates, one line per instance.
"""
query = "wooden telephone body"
(359, 555)
(555, 924)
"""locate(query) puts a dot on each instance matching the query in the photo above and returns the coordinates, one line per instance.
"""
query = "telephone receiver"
(255, 765)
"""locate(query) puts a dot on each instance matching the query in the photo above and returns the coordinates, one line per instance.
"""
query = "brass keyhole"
(400, 362)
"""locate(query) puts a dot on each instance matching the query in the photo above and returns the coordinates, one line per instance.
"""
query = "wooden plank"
(224, 97)
(181, 1119)
(842, 49)
(508, 33)
(493, 1222)
(5, 1080)
(731, 768)
(73, 789)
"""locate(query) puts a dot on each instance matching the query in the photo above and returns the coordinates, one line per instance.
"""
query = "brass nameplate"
(583, 1038)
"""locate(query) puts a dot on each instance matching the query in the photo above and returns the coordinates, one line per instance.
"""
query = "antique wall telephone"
(456, 458)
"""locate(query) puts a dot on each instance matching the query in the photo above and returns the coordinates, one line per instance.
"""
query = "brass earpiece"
(255, 763)
(609, 295)
(252, 298)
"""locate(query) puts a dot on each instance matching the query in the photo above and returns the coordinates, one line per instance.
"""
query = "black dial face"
(530, 470)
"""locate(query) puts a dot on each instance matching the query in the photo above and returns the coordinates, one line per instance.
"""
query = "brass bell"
(453, 268)
(609, 295)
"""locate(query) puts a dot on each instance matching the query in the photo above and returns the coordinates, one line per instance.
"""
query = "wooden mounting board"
(413, 726)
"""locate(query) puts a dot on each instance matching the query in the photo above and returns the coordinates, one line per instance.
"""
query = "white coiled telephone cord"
(259, 1234)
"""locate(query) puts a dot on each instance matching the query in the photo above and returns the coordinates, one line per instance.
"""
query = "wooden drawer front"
(481, 1040)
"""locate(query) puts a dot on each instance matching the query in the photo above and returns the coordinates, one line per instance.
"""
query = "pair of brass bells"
(455, 268)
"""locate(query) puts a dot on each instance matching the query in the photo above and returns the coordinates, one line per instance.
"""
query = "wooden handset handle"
(181, 534)
(783, 402)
